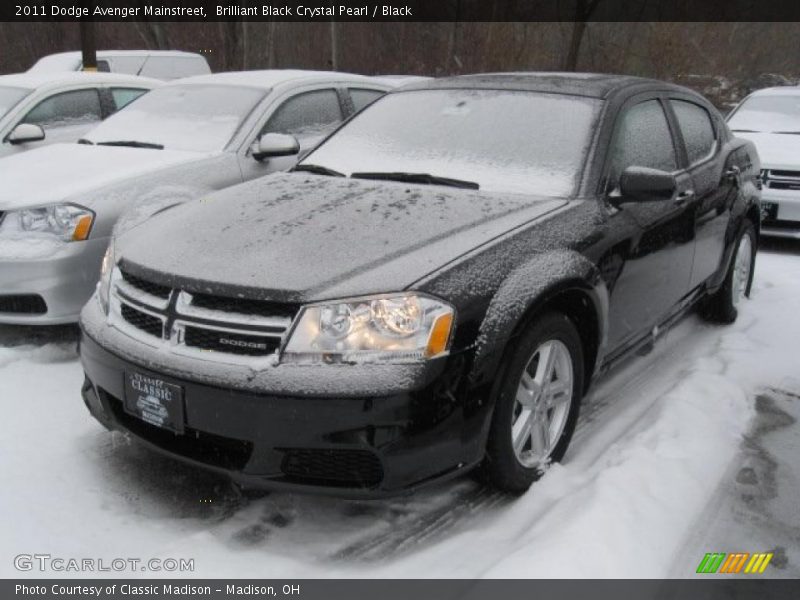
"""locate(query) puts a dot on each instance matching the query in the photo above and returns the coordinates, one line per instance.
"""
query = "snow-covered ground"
(686, 450)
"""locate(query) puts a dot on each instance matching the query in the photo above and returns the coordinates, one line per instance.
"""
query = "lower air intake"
(343, 468)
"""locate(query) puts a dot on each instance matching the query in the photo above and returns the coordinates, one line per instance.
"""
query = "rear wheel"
(537, 404)
(723, 306)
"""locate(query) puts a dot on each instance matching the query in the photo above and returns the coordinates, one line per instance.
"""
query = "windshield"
(201, 118)
(768, 114)
(503, 141)
(9, 97)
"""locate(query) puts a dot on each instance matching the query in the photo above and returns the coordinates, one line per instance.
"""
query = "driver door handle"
(684, 197)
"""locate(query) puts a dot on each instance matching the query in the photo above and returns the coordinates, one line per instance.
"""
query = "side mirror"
(641, 184)
(275, 144)
(24, 133)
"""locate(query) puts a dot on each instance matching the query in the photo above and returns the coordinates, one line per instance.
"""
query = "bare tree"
(233, 44)
(153, 33)
(583, 12)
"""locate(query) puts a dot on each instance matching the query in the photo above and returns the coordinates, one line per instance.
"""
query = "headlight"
(106, 269)
(391, 328)
(70, 222)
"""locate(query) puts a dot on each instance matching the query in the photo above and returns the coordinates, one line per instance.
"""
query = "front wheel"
(723, 306)
(537, 404)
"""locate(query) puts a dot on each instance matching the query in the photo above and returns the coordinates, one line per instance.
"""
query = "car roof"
(268, 79)
(101, 53)
(38, 79)
(783, 90)
(595, 85)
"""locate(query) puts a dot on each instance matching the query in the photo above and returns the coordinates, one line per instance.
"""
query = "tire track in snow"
(617, 392)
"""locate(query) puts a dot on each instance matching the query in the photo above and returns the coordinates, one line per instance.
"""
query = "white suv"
(159, 64)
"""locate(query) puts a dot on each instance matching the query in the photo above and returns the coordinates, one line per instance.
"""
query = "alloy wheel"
(741, 269)
(542, 403)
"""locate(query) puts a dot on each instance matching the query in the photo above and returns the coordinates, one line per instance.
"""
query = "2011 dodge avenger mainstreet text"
(432, 289)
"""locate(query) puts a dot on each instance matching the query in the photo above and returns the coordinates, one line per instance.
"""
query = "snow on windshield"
(502, 140)
(9, 97)
(768, 114)
(201, 118)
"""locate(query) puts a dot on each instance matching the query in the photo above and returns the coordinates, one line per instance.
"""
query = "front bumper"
(63, 279)
(339, 444)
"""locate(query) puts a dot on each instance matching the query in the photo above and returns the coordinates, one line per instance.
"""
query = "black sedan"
(433, 289)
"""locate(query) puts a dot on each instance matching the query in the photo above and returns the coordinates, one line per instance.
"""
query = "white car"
(59, 205)
(771, 119)
(159, 64)
(37, 109)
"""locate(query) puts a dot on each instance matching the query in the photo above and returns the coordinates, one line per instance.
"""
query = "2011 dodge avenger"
(431, 290)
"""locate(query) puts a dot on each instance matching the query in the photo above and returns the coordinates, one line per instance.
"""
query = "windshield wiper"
(788, 132)
(318, 170)
(418, 178)
(745, 131)
(132, 144)
(85, 141)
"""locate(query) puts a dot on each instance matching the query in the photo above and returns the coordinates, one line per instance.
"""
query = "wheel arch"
(563, 281)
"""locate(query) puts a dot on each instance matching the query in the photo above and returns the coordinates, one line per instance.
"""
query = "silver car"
(770, 118)
(37, 109)
(59, 204)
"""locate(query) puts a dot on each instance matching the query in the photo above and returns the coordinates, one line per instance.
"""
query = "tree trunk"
(583, 11)
(334, 46)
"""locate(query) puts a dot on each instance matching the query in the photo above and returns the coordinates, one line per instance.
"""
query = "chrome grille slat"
(185, 308)
(194, 330)
(781, 179)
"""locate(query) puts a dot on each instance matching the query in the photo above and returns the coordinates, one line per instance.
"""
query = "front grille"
(207, 448)
(777, 179)
(142, 321)
(148, 287)
(189, 322)
(234, 343)
(345, 468)
(244, 306)
(29, 304)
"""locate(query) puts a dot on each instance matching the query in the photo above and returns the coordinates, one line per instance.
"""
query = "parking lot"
(691, 444)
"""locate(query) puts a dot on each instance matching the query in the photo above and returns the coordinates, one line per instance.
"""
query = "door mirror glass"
(275, 144)
(642, 184)
(26, 132)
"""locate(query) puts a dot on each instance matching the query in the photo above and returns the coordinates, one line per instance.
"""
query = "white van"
(158, 64)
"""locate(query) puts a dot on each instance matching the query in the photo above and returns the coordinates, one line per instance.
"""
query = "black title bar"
(401, 10)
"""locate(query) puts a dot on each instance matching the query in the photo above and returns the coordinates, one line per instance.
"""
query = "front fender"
(155, 202)
(529, 288)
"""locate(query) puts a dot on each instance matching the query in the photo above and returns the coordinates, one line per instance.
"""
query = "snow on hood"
(776, 150)
(298, 237)
(61, 171)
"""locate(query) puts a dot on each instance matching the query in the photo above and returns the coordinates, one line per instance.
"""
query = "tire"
(554, 410)
(722, 306)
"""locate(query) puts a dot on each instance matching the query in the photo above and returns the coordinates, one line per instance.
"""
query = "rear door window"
(77, 107)
(697, 129)
(643, 139)
(124, 96)
(362, 98)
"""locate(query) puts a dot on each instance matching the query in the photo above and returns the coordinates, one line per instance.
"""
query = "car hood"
(776, 150)
(296, 237)
(63, 171)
